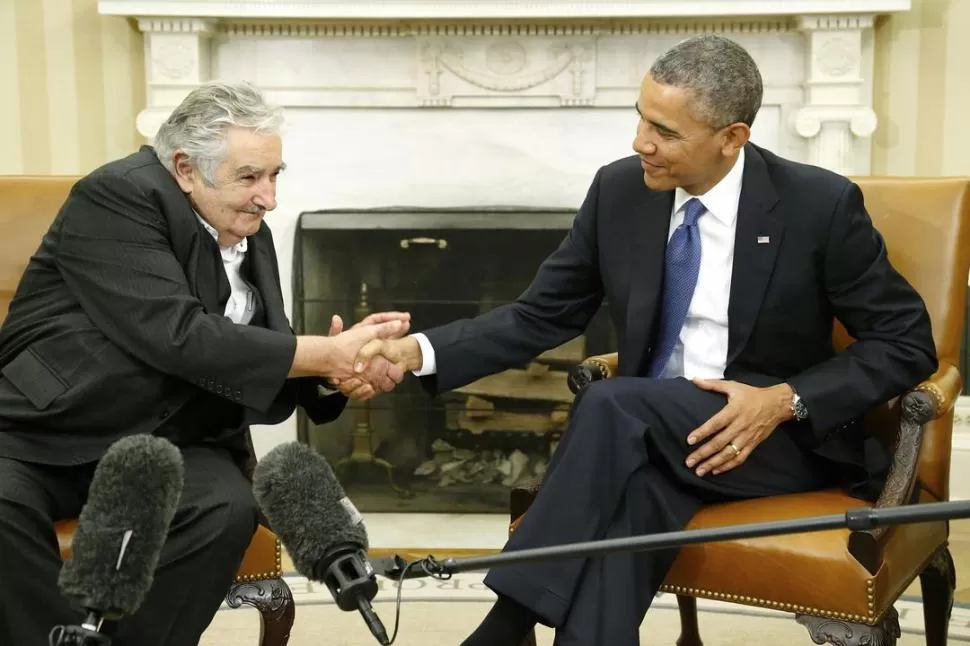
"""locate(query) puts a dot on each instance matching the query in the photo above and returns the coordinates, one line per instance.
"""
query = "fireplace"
(463, 451)
(472, 104)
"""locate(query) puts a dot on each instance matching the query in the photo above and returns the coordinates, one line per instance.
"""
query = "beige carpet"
(446, 623)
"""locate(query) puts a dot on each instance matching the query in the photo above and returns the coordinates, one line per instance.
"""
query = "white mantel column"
(837, 114)
(177, 59)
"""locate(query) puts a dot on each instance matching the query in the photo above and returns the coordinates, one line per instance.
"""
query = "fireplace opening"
(463, 451)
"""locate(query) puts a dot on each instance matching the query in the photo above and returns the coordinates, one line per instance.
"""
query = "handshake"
(368, 359)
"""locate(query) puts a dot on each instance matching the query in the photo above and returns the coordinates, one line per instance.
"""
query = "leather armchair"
(28, 204)
(842, 585)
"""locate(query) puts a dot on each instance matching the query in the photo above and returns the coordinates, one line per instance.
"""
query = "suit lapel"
(264, 277)
(648, 240)
(199, 255)
(210, 276)
(757, 240)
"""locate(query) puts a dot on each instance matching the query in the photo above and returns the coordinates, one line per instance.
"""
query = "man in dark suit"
(724, 267)
(153, 305)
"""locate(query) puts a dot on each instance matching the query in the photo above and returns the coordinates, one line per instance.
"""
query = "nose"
(265, 196)
(642, 144)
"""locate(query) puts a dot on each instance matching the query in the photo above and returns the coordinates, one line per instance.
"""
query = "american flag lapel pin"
(764, 239)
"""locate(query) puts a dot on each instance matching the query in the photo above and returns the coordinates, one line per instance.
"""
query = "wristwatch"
(798, 409)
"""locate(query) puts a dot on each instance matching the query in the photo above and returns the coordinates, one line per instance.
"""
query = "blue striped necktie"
(682, 262)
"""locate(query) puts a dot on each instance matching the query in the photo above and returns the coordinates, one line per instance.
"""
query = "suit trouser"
(212, 528)
(620, 471)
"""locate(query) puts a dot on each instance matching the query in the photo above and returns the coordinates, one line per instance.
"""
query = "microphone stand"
(396, 568)
(84, 635)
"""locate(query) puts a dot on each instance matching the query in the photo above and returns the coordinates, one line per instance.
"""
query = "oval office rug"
(445, 612)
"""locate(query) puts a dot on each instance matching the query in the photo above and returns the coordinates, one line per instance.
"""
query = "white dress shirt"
(241, 304)
(701, 350)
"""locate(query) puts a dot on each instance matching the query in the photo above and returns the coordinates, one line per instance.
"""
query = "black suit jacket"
(824, 261)
(118, 322)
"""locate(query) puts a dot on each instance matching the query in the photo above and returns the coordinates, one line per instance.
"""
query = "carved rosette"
(550, 69)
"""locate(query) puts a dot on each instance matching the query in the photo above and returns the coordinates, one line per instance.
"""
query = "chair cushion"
(263, 558)
(811, 573)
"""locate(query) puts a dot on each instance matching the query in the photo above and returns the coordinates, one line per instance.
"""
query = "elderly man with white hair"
(153, 306)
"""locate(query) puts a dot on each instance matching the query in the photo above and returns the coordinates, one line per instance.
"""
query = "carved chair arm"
(944, 386)
(929, 400)
(602, 366)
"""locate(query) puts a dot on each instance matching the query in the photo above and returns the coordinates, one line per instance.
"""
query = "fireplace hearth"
(463, 451)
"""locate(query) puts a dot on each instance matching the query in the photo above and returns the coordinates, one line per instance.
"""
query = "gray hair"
(198, 126)
(722, 76)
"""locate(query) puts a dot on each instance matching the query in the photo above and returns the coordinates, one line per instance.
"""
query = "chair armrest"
(944, 386)
(929, 400)
(601, 366)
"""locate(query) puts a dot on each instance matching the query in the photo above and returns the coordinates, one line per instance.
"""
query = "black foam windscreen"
(133, 496)
(306, 506)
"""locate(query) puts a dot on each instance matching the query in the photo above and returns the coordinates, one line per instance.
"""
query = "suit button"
(218, 390)
(165, 413)
(238, 394)
(211, 384)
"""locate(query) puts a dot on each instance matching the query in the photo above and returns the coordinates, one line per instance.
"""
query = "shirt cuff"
(428, 365)
(324, 391)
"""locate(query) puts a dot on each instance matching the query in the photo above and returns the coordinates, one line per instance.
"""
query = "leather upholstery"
(810, 573)
(27, 206)
(926, 226)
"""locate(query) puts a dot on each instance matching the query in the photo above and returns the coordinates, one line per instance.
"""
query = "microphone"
(319, 525)
(857, 519)
(133, 496)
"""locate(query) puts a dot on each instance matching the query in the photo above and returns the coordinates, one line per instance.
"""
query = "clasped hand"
(749, 417)
(379, 375)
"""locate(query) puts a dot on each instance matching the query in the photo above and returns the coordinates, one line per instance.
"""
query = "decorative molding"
(837, 109)
(176, 25)
(364, 29)
(463, 9)
(489, 67)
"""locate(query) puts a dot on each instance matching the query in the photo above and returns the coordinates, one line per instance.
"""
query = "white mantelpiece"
(422, 103)
(488, 9)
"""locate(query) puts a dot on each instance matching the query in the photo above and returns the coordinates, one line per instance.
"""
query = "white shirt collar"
(721, 200)
(240, 247)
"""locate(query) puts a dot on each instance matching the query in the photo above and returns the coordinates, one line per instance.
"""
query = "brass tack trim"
(777, 605)
(276, 574)
(934, 391)
(602, 365)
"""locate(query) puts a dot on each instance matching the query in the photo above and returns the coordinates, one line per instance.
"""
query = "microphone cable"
(432, 568)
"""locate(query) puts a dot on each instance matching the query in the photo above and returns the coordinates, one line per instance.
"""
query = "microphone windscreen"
(133, 496)
(306, 506)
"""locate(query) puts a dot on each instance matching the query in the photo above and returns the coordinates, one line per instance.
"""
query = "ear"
(735, 137)
(184, 171)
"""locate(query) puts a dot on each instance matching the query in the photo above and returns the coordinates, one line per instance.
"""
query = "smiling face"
(676, 148)
(244, 184)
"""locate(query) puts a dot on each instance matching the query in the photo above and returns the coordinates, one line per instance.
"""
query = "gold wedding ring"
(737, 451)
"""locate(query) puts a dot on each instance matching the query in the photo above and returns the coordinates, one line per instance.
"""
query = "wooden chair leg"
(938, 581)
(847, 633)
(274, 601)
(530, 639)
(690, 633)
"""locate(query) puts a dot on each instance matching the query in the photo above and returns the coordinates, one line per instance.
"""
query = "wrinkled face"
(677, 149)
(245, 184)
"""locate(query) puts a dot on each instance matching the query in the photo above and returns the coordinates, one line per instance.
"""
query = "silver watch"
(798, 409)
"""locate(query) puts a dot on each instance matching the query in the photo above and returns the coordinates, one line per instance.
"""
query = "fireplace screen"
(464, 450)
